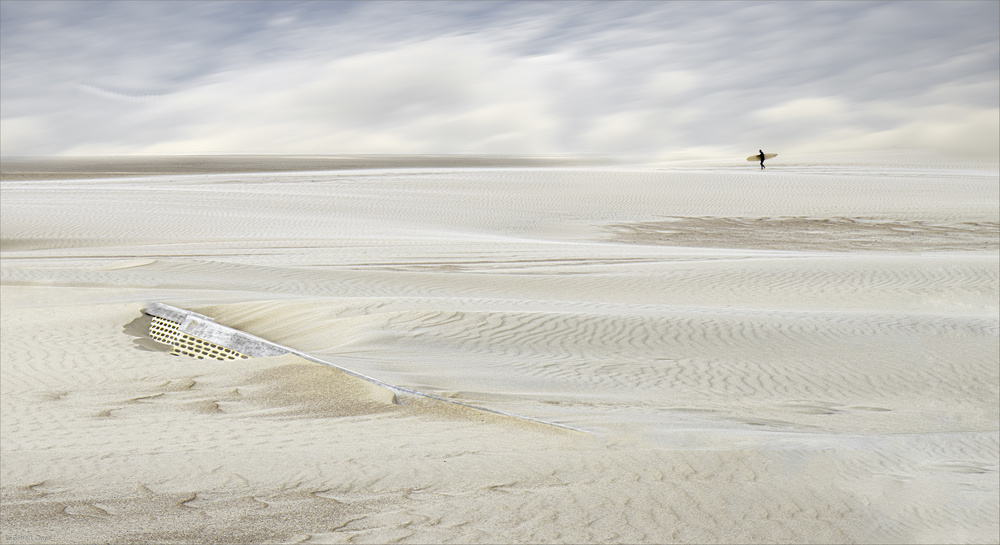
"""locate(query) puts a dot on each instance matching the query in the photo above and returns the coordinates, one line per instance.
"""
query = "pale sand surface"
(804, 354)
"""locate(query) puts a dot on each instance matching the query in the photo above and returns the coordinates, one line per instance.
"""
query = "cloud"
(19, 133)
(534, 78)
(446, 94)
(951, 128)
(814, 109)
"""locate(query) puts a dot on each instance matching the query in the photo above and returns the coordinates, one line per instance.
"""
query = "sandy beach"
(806, 354)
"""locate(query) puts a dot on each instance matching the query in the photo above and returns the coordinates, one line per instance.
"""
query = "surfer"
(761, 155)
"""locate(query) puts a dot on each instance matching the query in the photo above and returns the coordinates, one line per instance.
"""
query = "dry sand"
(803, 354)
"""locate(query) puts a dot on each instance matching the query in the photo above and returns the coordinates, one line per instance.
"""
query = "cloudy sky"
(641, 79)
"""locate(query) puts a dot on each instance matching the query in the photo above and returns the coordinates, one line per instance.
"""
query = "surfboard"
(757, 157)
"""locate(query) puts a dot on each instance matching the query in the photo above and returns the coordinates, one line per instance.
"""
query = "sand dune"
(806, 354)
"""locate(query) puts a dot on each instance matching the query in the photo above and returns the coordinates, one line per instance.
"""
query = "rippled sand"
(803, 354)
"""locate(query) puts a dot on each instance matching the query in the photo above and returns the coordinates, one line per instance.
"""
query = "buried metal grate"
(198, 336)
(168, 332)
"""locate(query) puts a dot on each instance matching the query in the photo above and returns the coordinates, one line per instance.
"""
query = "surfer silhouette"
(761, 155)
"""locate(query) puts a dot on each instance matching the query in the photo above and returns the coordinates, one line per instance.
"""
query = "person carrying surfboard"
(761, 157)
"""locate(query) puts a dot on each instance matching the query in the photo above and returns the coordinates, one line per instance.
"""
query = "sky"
(638, 79)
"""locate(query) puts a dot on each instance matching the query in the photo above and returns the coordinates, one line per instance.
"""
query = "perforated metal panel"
(166, 331)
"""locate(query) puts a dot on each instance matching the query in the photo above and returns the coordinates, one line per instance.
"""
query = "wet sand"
(64, 168)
